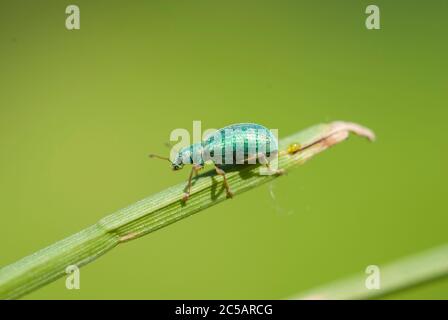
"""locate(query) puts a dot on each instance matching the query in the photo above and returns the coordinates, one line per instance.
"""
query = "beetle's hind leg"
(263, 160)
(226, 183)
(274, 171)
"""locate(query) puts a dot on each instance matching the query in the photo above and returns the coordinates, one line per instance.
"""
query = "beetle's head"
(178, 163)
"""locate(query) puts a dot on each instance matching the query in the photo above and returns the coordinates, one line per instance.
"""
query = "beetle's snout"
(176, 166)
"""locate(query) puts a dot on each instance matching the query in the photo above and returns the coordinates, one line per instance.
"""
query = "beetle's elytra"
(242, 143)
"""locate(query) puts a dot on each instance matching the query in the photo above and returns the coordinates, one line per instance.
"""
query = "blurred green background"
(80, 110)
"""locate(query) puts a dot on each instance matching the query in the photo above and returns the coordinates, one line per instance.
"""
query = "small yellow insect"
(293, 148)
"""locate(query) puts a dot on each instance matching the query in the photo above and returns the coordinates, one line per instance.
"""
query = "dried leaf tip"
(357, 129)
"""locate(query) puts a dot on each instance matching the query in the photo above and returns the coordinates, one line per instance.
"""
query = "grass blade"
(159, 210)
(404, 273)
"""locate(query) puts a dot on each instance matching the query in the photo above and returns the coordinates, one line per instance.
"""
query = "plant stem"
(404, 273)
(160, 210)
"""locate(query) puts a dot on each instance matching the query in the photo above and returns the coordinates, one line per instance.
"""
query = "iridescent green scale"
(243, 143)
(243, 140)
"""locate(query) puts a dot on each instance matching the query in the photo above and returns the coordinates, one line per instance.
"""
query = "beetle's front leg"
(194, 170)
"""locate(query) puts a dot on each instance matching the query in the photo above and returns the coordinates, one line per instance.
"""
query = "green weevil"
(240, 144)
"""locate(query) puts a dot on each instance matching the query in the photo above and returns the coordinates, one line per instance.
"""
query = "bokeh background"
(80, 110)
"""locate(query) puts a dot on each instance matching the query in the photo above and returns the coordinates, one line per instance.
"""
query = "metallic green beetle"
(237, 144)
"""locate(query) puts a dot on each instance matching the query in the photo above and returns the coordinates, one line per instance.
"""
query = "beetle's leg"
(263, 160)
(226, 184)
(276, 171)
(188, 187)
(194, 170)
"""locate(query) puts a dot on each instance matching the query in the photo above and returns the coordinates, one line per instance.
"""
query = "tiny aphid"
(240, 144)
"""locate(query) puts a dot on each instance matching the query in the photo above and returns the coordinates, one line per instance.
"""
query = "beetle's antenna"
(159, 157)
